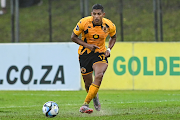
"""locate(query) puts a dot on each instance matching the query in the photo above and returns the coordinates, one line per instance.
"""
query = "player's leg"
(99, 69)
(96, 102)
(88, 79)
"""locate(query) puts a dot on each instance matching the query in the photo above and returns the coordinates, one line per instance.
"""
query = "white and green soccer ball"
(50, 109)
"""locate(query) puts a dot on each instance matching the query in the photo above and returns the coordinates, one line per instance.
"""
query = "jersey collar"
(97, 25)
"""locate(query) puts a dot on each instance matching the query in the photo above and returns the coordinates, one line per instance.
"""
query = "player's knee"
(99, 76)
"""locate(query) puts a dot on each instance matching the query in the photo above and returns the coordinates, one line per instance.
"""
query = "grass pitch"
(115, 104)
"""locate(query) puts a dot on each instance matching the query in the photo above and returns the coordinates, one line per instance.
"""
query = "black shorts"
(88, 60)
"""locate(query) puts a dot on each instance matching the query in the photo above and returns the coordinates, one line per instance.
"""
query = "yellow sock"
(93, 89)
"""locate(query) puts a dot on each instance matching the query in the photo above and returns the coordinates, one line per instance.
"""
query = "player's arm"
(112, 41)
(75, 39)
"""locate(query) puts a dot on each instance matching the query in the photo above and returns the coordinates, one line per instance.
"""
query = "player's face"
(97, 16)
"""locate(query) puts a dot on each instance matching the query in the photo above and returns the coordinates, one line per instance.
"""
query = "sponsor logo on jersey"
(95, 36)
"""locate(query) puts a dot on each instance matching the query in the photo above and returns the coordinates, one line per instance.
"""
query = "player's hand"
(92, 47)
(107, 53)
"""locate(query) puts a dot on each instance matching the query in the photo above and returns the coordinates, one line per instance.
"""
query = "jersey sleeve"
(112, 31)
(79, 28)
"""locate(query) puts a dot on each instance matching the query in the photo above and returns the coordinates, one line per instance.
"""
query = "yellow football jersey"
(94, 34)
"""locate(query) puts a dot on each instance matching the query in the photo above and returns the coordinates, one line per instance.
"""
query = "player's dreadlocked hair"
(98, 6)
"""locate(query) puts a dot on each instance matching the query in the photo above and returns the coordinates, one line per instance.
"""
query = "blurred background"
(54, 20)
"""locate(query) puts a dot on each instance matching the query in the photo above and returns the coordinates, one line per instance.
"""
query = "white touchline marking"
(147, 101)
(41, 95)
(74, 95)
(101, 103)
(18, 106)
(174, 94)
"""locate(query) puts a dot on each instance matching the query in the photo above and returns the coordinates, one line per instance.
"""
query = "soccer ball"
(50, 109)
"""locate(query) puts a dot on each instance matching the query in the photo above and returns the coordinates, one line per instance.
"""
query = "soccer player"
(93, 53)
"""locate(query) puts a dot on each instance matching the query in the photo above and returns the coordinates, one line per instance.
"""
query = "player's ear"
(91, 13)
(104, 14)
